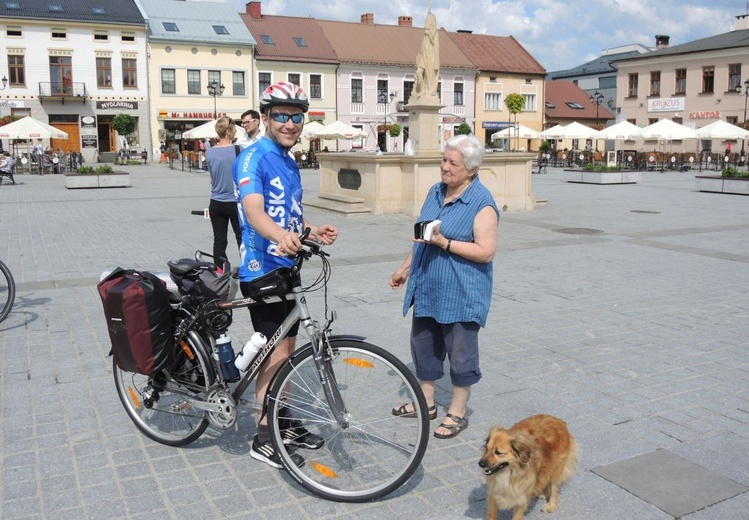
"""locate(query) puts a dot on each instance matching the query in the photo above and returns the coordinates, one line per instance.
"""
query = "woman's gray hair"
(470, 148)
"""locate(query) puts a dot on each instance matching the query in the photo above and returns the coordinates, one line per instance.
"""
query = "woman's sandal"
(402, 411)
(461, 423)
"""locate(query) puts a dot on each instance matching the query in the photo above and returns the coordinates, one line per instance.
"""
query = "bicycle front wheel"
(160, 405)
(7, 291)
(376, 452)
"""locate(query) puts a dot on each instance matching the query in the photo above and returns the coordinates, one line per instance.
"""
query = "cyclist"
(269, 189)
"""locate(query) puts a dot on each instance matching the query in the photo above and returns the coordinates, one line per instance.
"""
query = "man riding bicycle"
(269, 194)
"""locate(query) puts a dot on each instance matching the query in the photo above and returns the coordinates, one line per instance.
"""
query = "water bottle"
(226, 358)
(250, 350)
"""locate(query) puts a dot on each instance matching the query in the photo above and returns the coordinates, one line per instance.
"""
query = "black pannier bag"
(136, 306)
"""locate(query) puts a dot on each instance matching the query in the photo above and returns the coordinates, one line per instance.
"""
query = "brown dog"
(530, 459)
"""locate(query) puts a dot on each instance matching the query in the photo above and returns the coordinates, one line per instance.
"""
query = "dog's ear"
(522, 446)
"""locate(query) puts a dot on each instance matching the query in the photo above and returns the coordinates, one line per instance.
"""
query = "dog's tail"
(572, 459)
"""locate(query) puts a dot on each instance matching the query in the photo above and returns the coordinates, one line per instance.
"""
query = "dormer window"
(170, 26)
(300, 41)
(220, 29)
(267, 40)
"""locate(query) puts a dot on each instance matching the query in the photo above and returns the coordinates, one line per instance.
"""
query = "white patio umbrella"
(555, 132)
(722, 130)
(667, 130)
(30, 128)
(621, 131)
(311, 128)
(576, 130)
(521, 132)
(339, 130)
(208, 131)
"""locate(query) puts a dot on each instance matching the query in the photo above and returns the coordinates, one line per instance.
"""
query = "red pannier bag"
(136, 306)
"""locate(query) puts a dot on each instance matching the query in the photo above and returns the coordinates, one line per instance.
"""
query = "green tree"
(463, 129)
(515, 104)
(124, 124)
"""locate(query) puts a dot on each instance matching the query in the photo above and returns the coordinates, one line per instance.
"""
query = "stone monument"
(424, 104)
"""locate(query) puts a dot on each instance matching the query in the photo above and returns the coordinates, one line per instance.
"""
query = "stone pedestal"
(423, 125)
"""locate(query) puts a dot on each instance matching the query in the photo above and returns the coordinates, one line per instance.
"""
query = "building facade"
(75, 65)
(201, 66)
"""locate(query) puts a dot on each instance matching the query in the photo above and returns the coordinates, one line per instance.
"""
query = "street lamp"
(743, 123)
(597, 98)
(5, 83)
(215, 89)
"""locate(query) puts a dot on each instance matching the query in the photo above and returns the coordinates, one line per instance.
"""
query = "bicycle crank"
(223, 413)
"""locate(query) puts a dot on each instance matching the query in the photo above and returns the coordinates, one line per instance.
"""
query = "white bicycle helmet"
(284, 93)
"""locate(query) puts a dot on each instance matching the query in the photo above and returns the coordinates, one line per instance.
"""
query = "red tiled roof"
(559, 93)
(393, 45)
(282, 30)
(497, 53)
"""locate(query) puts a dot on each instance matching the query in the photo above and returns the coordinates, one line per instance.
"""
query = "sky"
(560, 34)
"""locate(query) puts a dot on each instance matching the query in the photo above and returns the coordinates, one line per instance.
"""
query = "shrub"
(85, 169)
(395, 130)
(733, 172)
(463, 129)
(601, 168)
(104, 169)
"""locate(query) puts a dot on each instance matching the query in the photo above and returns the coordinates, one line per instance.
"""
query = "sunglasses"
(297, 119)
(250, 121)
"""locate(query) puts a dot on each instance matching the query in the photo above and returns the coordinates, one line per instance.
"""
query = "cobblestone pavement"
(623, 309)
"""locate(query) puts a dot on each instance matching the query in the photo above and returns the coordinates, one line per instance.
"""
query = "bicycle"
(7, 291)
(337, 386)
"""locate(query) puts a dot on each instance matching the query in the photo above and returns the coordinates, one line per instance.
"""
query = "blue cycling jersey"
(265, 168)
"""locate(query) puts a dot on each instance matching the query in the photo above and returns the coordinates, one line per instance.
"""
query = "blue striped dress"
(446, 286)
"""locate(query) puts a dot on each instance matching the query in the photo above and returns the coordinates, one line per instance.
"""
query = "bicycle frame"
(318, 339)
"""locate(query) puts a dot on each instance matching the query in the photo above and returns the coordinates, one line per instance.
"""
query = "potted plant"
(731, 180)
(102, 177)
(395, 130)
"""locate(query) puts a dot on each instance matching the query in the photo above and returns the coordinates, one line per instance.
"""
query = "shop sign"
(675, 104)
(117, 105)
(190, 115)
(709, 114)
(89, 141)
(495, 125)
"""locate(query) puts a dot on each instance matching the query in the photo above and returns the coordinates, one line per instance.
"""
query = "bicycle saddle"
(187, 265)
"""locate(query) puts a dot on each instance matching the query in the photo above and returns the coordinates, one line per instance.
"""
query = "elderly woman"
(450, 281)
(223, 205)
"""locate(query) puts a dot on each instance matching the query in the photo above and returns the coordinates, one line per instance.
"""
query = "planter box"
(610, 177)
(719, 184)
(97, 180)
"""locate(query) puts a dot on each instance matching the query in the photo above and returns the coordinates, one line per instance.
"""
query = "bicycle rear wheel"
(378, 451)
(159, 405)
(7, 291)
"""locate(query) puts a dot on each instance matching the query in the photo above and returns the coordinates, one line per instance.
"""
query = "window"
(607, 82)
(492, 101)
(57, 8)
(13, 30)
(295, 78)
(382, 91)
(263, 80)
(193, 82)
(315, 86)
(655, 83)
(681, 81)
(530, 103)
(12, 5)
(220, 29)
(101, 36)
(574, 105)
(300, 41)
(708, 79)
(632, 85)
(652, 121)
(214, 76)
(98, 10)
(267, 40)
(734, 76)
(103, 72)
(458, 94)
(16, 71)
(128, 37)
(549, 104)
(61, 74)
(408, 88)
(168, 81)
(170, 26)
(356, 90)
(237, 83)
(59, 34)
(129, 73)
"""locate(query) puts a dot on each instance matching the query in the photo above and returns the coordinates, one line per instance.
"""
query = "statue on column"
(428, 61)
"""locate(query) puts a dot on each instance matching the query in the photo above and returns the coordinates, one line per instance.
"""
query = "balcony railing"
(62, 91)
